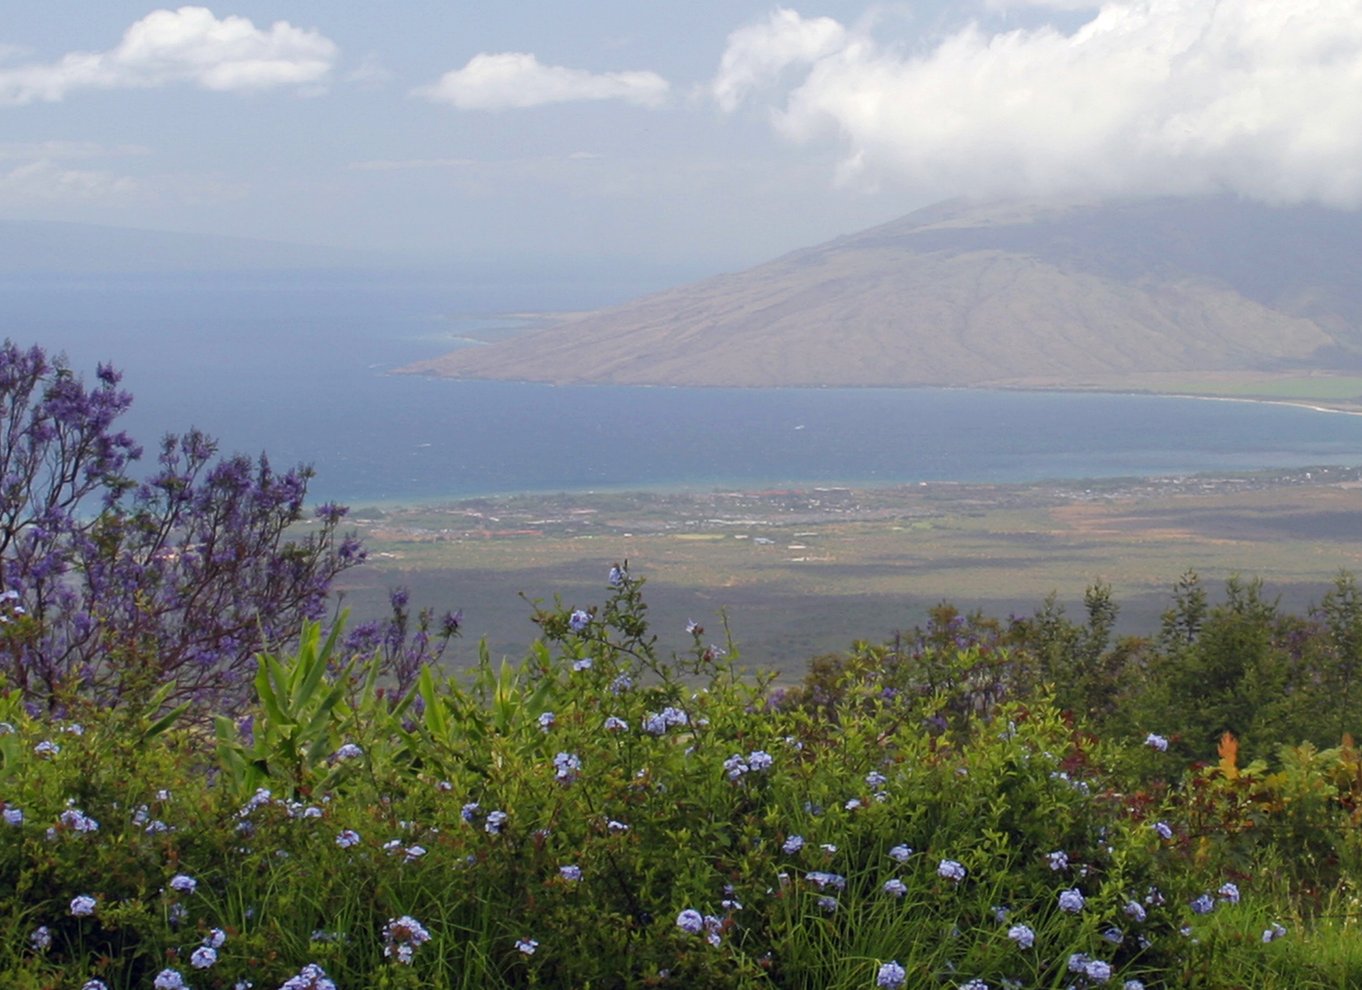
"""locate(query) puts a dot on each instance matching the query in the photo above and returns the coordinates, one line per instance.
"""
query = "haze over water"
(298, 366)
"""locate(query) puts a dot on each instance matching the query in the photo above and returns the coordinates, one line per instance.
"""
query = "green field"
(800, 573)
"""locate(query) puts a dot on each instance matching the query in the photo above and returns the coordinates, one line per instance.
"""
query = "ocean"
(299, 366)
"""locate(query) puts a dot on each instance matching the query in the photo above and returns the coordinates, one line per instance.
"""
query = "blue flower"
(1163, 829)
(566, 766)
(347, 838)
(949, 869)
(828, 903)
(895, 886)
(616, 576)
(496, 821)
(690, 921)
(1022, 935)
(579, 620)
(1229, 892)
(875, 779)
(310, 977)
(183, 883)
(1071, 900)
(900, 853)
(1135, 911)
(792, 845)
(1097, 971)
(203, 957)
(1204, 904)
(891, 975)
(1273, 933)
(570, 873)
(613, 724)
(526, 946)
(170, 979)
(1158, 742)
(82, 906)
(1058, 860)
(546, 720)
(760, 760)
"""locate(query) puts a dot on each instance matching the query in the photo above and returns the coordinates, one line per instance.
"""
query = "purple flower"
(496, 822)
(1058, 860)
(1022, 935)
(1163, 830)
(690, 921)
(578, 620)
(1204, 904)
(82, 906)
(759, 760)
(613, 724)
(616, 576)
(170, 979)
(875, 779)
(828, 903)
(900, 853)
(570, 873)
(347, 752)
(1273, 933)
(526, 946)
(13, 816)
(41, 938)
(183, 883)
(1229, 892)
(895, 886)
(792, 845)
(1156, 742)
(1135, 911)
(347, 838)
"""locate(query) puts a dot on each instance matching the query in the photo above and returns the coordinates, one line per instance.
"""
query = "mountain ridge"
(997, 294)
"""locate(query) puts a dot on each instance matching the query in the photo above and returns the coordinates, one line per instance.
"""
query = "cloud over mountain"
(1256, 97)
(516, 80)
(186, 45)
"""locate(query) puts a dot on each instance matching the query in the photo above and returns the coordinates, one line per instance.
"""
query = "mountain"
(1013, 293)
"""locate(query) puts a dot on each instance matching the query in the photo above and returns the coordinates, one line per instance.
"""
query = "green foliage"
(555, 822)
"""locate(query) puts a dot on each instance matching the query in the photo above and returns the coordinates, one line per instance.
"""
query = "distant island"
(1201, 296)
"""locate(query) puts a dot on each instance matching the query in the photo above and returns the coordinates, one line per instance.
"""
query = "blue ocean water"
(299, 366)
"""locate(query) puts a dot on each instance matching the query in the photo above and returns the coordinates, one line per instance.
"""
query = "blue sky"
(690, 137)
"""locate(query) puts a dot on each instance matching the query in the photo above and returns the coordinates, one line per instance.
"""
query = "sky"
(684, 138)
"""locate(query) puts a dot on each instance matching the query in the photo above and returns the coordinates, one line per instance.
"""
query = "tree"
(115, 587)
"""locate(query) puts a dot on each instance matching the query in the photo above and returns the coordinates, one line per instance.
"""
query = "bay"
(300, 365)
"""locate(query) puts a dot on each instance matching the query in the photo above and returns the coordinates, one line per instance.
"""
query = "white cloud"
(400, 165)
(758, 54)
(66, 150)
(45, 182)
(186, 45)
(1258, 97)
(516, 80)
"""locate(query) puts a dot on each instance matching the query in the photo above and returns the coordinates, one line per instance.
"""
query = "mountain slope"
(995, 294)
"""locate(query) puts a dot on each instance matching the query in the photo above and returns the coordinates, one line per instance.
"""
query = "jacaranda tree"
(115, 588)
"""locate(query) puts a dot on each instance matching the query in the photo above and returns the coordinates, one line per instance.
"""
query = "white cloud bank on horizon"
(1262, 98)
(518, 80)
(185, 45)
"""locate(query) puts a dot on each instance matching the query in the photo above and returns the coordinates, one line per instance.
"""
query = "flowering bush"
(456, 837)
(116, 587)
